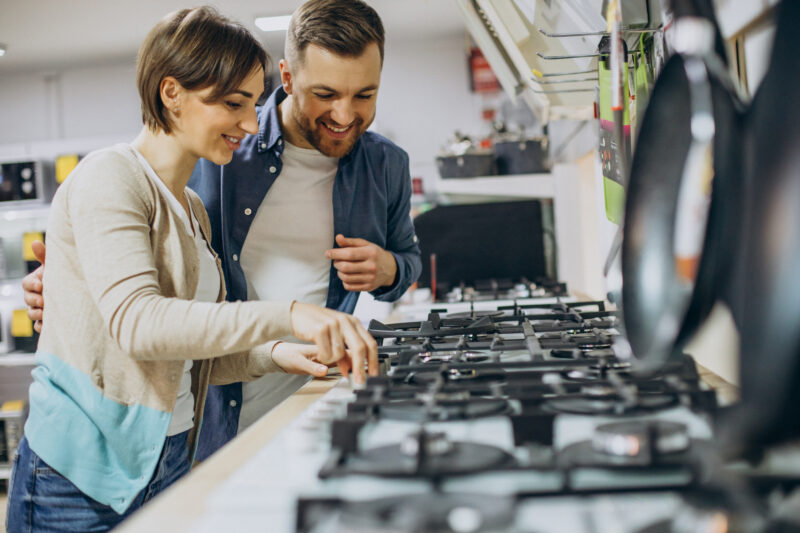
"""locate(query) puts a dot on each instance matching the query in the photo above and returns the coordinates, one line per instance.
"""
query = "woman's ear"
(171, 92)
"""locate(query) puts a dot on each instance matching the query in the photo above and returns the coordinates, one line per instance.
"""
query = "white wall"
(98, 102)
(424, 97)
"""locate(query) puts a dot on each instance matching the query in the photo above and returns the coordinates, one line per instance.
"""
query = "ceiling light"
(2, 50)
(273, 23)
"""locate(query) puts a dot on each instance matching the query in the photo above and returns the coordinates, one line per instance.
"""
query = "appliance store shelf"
(520, 185)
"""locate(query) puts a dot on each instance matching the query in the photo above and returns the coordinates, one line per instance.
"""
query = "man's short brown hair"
(344, 27)
(200, 48)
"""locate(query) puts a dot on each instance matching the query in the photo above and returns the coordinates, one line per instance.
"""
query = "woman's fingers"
(339, 338)
(357, 348)
(337, 342)
(322, 339)
(344, 366)
(298, 359)
(372, 351)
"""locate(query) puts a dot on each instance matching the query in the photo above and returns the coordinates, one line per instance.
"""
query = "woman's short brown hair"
(344, 27)
(199, 48)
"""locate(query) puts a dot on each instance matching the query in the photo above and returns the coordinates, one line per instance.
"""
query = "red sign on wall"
(482, 78)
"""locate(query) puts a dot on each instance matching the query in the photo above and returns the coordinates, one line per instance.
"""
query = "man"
(312, 176)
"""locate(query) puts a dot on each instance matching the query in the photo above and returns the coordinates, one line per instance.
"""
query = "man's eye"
(364, 96)
(323, 96)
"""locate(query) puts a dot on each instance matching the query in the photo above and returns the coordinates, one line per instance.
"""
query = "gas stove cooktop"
(497, 416)
(491, 415)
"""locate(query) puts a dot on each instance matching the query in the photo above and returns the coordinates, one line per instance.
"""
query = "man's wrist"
(390, 269)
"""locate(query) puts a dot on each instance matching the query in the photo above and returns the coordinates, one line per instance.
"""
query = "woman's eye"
(233, 105)
(364, 96)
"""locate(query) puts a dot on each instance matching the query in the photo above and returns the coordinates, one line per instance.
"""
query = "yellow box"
(21, 325)
(64, 165)
(12, 405)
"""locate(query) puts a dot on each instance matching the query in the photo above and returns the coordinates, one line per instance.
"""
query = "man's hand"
(298, 359)
(362, 265)
(32, 285)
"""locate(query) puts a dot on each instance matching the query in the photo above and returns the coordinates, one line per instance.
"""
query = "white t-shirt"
(283, 256)
(208, 287)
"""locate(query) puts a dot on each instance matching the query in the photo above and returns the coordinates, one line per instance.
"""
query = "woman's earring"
(175, 110)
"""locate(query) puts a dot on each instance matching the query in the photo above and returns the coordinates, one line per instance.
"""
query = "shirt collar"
(269, 127)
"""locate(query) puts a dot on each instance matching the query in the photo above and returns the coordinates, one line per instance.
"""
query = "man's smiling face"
(333, 98)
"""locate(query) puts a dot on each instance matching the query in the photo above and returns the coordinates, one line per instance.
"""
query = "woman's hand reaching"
(339, 338)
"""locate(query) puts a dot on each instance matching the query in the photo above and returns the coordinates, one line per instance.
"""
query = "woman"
(132, 289)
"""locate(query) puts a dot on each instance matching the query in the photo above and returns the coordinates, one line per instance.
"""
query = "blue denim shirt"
(371, 200)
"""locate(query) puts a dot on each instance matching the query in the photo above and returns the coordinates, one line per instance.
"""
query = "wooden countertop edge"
(171, 511)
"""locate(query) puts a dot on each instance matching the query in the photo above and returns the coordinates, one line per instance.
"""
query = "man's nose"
(342, 112)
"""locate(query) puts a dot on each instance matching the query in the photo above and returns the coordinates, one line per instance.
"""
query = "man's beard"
(327, 146)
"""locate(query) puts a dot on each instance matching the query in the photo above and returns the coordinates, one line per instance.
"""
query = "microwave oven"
(26, 181)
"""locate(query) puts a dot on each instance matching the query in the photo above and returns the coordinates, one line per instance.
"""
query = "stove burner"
(629, 439)
(473, 314)
(598, 372)
(610, 404)
(445, 410)
(448, 356)
(600, 353)
(435, 444)
(455, 375)
(639, 445)
(597, 390)
(439, 457)
(439, 513)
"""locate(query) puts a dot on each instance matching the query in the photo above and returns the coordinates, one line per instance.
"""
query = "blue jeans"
(41, 499)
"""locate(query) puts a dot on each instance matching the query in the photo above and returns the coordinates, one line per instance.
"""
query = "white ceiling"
(42, 35)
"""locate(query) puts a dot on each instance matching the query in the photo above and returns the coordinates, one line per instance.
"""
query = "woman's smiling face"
(214, 129)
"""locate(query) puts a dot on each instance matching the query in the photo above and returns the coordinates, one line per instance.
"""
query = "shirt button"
(272, 170)
(263, 146)
(232, 403)
(280, 142)
(235, 257)
(247, 211)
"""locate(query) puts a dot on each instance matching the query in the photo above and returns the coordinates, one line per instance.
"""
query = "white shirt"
(283, 256)
(208, 287)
